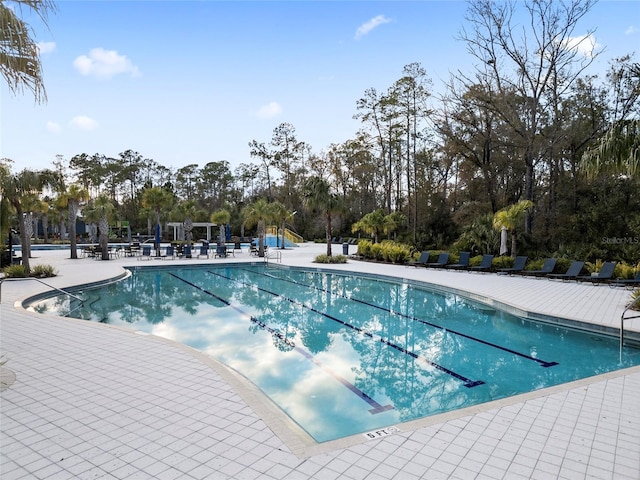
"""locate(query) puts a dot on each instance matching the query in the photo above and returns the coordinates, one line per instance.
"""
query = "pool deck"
(81, 400)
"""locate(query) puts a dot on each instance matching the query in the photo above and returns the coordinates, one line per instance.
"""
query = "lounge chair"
(146, 253)
(424, 258)
(604, 275)
(442, 261)
(204, 251)
(463, 262)
(630, 282)
(169, 252)
(547, 268)
(221, 251)
(518, 265)
(572, 272)
(186, 252)
(485, 264)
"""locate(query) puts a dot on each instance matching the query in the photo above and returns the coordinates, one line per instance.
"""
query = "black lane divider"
(377, 408)
(467, 382)
(542, 363)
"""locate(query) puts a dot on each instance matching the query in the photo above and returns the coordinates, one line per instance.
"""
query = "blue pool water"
(343, 354)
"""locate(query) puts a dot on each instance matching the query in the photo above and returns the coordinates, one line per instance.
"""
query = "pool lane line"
(376, 407)
(542, 363)
(466, 381)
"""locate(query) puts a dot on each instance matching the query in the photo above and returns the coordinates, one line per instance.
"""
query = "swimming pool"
(344, 354)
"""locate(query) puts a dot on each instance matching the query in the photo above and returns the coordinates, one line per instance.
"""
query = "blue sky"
(186, 82)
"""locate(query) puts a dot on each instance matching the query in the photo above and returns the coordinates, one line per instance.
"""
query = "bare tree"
(526, 66)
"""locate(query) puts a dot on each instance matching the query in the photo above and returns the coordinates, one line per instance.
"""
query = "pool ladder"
(623, 318)
(273, 255)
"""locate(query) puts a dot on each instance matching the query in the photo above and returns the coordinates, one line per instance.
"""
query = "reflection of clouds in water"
(165, 330)
(312, 394)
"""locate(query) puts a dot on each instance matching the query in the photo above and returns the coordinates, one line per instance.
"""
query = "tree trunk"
(24, 239)
(104, 238)
(328, 233)
(72, 230)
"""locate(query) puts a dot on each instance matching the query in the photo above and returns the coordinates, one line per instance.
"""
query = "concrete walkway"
(82, 400)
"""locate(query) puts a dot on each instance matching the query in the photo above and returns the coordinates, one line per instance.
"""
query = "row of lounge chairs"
(170, 252)
(605, 275)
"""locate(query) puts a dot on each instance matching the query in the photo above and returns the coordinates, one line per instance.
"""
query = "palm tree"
(510, 217)
(373, 223)
(258, 213)
(21, 187)
(221, 218)
(617, 151)
(185, 212)
(393, 222)
(102, 211)
(156, 199)
(280, 214)
(317, 195)
(44, 211)
(19, 53)
(72, 199)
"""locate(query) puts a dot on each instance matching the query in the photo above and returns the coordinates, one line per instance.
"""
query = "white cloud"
(103, 63)
(366, 27)
(269, 110)
(53, 127)
(631, 30)
(46, 47)
(584, 44)
(82, 122)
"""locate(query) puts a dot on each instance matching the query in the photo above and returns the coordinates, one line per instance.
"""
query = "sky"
(183, 82)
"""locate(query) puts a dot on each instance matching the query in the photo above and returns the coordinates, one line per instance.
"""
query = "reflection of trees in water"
(144, 295)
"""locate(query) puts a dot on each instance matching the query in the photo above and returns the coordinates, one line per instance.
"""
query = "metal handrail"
(38, 280)
(273, 255)
(623, 318)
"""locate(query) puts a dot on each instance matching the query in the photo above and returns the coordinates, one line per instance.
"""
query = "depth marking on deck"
(542, 363)
(466, 381)
(376, 407)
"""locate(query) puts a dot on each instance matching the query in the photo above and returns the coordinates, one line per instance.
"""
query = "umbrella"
(157, 240)
(503, 241)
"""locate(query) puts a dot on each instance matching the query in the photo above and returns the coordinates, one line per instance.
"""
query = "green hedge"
(385, 251)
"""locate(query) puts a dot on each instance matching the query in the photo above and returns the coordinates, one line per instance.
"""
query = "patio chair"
(518, 265)
(204, 251)
(547, 268)
(186, 252)
(422, 260)
(442, 261)
(485, 264)
(572, 272)
(604, 275)
(463, 262)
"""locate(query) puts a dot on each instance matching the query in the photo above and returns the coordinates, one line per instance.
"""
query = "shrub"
(364, 248)
(625, 271)
(43, 271)
(396, 253)
(377, 251)
(562, 265)
(634, 295)
(324, 258)
(15, 271)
